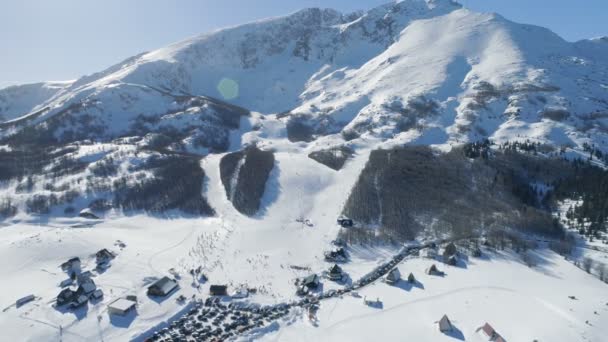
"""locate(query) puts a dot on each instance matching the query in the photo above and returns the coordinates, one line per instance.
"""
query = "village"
(225, 313)
(220, 317)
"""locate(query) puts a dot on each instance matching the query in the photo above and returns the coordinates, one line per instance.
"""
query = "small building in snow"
(97, 294)
(411, 279)
(336, 255)
(488, 331)
(218, 290)
(162, 287)
(312, 281)
(104, 256)
(121, 307)
(84, 277)
(393, 276)
(87, 287)
(66, 282)
(72, 264)
(335, 272)
(433, 270)
(65, 296)
(373, 303)
(444, 324)
(79, 301)
(302, 290)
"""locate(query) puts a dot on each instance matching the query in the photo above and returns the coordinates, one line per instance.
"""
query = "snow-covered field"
(521, 303)
(152, 247)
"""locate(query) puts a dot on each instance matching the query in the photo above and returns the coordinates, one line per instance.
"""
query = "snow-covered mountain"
(233, 154)
(424, 71)
(16, 101)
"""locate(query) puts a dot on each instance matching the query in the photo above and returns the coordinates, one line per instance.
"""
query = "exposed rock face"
(244, 175)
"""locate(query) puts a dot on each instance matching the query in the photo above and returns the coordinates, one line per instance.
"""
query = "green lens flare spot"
(228, 88)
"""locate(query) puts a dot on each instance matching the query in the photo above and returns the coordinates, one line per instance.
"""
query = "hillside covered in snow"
(259, 156)
(413, 72)
(420, 71)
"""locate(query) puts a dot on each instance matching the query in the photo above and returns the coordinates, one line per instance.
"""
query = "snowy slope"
(19, 100)
(466, 76)
(426, 70)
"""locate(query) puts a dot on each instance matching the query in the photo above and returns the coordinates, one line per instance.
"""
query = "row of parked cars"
(214, 320)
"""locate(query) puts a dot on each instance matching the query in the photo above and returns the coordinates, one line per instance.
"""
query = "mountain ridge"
(354, 74)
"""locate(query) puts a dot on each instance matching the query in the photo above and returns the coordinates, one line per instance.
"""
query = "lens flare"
(228, 88)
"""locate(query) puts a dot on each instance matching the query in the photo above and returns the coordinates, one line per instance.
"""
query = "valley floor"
(521, 303)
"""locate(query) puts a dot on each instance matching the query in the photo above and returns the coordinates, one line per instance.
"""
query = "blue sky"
(65, 39)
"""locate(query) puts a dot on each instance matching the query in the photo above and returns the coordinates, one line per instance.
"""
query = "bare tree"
(587, 264)
(528, 258)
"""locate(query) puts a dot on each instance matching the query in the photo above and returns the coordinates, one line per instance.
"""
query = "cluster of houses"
(85, 289)
(449, 257)
(394, 276)
(160, 288)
